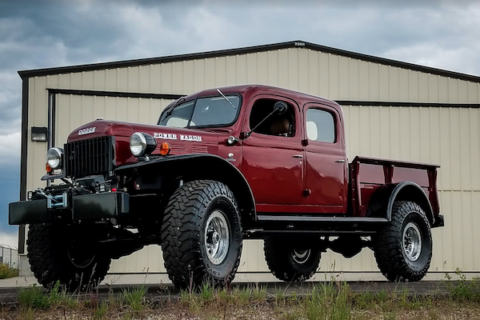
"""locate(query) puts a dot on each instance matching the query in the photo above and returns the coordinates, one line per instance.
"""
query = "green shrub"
(462, 289)
(7, 272)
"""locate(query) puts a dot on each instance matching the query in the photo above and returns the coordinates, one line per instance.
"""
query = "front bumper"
(98, 206)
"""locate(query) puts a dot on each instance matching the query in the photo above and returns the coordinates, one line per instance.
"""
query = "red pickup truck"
(222, 166)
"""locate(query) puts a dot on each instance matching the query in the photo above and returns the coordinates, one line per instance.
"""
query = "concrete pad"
(162, 278)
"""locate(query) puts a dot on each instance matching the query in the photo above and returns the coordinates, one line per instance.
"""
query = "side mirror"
(280, 107)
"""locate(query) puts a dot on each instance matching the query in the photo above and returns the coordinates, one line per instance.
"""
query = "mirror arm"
(258, 124)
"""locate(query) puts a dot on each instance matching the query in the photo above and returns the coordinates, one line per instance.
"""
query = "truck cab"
(222, 166)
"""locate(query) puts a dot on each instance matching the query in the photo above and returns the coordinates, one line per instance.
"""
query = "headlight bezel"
(143, 143)
(55, 158)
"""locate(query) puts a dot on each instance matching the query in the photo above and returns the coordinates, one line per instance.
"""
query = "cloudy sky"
(40, 34)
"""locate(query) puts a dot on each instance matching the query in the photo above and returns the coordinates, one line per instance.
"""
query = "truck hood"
(181, 141)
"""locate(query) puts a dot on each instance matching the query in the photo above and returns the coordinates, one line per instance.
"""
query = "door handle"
(340, 161)
(297, 156)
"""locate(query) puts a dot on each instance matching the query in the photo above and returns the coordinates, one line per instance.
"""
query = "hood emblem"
(86, 131)
(173, 136)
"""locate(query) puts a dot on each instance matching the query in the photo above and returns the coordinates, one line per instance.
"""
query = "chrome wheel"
(301, 256)
(412, 241)
(217, 237)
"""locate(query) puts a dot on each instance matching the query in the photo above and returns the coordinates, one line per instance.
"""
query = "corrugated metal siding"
(447, 136)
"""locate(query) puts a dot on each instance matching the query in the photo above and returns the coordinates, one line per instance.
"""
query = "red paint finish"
(368, 174)
(326, 168)
(287, 174)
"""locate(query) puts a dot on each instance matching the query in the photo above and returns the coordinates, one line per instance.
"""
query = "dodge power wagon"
(220, 167)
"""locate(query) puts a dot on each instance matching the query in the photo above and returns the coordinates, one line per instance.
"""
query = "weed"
(223, 296)
(134, 298)
(279, 299)
(389, 315)
(27, 314)
(328, 302)
(101, 311)
(185, 297)
(33, 297)
(206, 292)
(259, 293)
(241, 295)
(463, 289)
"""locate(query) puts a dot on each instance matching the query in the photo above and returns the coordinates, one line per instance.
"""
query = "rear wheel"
(291, 260)
(201, 235)
(67, 254)
(403, 249)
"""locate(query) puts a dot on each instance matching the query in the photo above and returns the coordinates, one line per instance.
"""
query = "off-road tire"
(183, 234)
(279, 254)
(48, 255)
(390, 253)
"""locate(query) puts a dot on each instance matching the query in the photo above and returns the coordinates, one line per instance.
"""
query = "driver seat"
(280, 126)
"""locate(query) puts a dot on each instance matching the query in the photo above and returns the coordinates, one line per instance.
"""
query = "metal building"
(392, 110)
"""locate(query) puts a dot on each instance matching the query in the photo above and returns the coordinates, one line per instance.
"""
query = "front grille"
(87, 157)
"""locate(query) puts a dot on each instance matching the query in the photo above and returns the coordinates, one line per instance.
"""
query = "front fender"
(197, 167)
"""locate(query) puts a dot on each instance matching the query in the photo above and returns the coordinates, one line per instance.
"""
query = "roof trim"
(246, 50)
(170, 96)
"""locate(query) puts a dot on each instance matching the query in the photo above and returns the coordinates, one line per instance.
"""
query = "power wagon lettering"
(170, 136)
(190, 138)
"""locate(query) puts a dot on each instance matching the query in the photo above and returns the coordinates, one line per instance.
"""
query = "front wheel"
(291, 260)
(403, 248)
(66, 254)
(201, 235)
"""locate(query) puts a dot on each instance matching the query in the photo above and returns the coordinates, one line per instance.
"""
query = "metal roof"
(246, 50)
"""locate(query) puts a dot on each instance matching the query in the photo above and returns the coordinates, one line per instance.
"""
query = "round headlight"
(137, 144)
(142, 144)
(54, 158)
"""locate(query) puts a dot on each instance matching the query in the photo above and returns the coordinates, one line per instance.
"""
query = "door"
(326, 161)
(273, 155)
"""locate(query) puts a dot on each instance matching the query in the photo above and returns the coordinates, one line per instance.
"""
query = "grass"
(330, 300)
(460, 288)
(7, 272)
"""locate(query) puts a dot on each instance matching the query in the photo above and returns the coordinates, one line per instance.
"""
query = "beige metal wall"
(447, 136)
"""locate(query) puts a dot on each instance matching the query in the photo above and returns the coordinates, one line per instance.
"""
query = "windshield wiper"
(226, 99)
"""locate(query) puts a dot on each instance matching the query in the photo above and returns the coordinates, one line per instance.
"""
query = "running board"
(261, 233)
(321, 219)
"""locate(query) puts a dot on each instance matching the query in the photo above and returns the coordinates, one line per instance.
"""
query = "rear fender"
(162, 172)
(381, 202)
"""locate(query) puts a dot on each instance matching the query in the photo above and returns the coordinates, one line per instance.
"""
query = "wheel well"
(166, 172)
(220, 170)
(410, 191)
(382, 200)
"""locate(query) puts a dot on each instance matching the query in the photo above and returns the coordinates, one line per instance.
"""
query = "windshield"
(212, 111)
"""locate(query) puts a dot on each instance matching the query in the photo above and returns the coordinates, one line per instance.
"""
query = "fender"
(381, 202)
(199, 166)
(408, 190)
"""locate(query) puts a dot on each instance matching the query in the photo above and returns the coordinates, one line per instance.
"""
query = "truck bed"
(369, 174)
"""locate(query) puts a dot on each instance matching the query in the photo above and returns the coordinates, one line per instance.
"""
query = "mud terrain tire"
(403, 248)
(290, 261)
(201, 235)
(51, 257)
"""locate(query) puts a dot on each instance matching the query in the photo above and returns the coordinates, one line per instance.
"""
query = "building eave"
(246, 50)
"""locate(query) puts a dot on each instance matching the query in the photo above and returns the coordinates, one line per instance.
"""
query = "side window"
(276, 125)
(320, 126)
